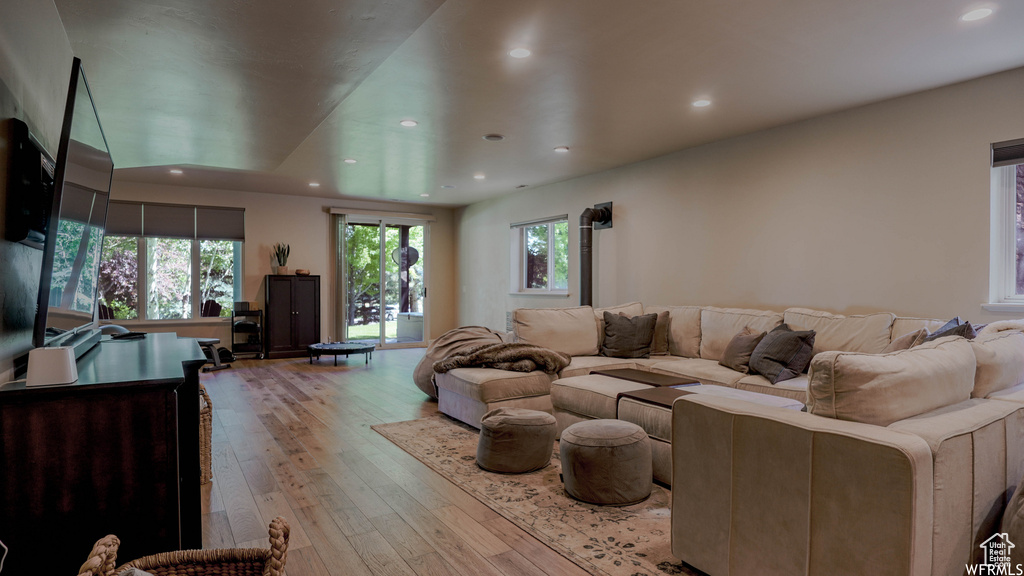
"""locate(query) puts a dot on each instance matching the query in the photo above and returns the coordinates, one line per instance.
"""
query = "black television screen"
(74, 238)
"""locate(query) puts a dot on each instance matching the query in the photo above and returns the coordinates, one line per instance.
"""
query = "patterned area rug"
(627, 541)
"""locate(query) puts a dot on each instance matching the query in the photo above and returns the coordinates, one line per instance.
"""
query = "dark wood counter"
(115, 453)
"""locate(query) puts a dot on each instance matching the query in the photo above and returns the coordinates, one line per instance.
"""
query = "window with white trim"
(1007, 254)
(540, 256)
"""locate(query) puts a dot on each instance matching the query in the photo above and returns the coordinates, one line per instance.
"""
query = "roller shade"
(220, 223)
(168, 221)
(156, 220)
(76, 203)
(1008, 153)
(539, 221)
(124, 218)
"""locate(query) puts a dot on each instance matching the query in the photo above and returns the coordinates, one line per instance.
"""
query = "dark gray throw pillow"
(737, 352)
(628, 337)
(783, 354)
(950, 329)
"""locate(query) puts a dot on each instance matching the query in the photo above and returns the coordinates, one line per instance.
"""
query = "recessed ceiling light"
(425, 195)
(447, 186)
(408, 123)
(494, 137)
(479, 176)
(176, 171)
(349, 160)
(314, 184)
(519, 53)
(702, 103)
(976, 14)
(562, 149)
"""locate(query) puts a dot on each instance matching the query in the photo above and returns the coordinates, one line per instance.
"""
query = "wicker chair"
(224, 562)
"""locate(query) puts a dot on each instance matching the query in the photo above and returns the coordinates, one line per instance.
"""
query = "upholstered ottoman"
(606, 462)
(515, 440)
(467, 394)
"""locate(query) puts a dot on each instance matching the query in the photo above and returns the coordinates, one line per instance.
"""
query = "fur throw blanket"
(1002, 326)
(515, 356)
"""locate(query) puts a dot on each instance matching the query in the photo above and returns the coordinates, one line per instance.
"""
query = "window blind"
(220, 223)
(1008, 153)
(539, 221)
(124, 218)
(175, 221)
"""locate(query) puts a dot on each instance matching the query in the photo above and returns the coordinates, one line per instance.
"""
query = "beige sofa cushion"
(869, 333)
(490, 385)
(719, 325)
(569, 330)
(593, 396)
(683, 330)
(581, 365)
(883, 388)
(698, 369)
(1000, 359)
(906, 324)
(794, 388)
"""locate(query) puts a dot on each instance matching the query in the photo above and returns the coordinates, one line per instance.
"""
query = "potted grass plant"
(279, 258)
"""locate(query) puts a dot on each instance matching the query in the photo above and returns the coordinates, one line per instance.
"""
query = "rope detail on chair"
(103, 557)
(279, 532)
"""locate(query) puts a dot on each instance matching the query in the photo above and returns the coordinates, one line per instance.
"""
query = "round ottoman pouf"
(515, 440)
(606, 462)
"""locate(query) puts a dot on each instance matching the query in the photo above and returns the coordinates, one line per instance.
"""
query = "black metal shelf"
(246, 334)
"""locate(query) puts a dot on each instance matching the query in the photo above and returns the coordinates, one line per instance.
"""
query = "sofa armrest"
(762, 490)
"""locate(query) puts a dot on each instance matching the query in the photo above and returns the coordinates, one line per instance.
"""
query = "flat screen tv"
(66, 306)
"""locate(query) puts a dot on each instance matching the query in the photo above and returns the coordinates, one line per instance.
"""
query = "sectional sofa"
(901, 464)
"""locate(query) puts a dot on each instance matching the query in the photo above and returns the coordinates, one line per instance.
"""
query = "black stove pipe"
(587, 219)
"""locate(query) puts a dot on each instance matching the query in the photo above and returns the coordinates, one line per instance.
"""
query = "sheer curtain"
(340, 281)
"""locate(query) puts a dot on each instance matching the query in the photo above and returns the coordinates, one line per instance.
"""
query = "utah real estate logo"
(997, 558)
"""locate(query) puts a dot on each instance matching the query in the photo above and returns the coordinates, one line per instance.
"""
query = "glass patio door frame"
(382, 224)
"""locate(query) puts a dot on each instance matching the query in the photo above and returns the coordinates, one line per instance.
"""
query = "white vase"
(283, 270)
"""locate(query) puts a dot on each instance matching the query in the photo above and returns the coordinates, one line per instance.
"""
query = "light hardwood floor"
(294, 440)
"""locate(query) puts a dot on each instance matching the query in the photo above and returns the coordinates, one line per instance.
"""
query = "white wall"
(303, 223)
(35, 66)
(884, 207)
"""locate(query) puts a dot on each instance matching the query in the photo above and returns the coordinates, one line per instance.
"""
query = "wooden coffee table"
(337, 348)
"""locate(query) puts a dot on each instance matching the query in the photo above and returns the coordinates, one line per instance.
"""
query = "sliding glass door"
(382, 286)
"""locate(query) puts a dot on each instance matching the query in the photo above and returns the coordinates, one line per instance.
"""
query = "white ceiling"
(266, 95)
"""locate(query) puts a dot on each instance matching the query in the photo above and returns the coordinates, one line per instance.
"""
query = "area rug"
(614, 541)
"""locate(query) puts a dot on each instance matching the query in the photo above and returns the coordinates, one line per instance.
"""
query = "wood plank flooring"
(294, 439)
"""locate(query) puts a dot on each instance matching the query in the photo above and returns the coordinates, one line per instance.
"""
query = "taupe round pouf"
(515, 440)
(606, 462)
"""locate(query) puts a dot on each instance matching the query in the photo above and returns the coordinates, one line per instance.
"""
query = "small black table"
(336, 348)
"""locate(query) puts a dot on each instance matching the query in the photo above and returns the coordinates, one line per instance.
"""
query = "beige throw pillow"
(569, 330)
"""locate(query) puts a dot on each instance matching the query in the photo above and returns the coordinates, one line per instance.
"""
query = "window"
(119, 278)
(183, 269)
(540, 256)
(1007, 254)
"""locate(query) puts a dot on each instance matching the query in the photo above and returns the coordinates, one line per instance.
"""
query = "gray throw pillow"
(738, 350)
(628, 337)
(659, 345)
(907, 341)
(965, 330)
(783, 354)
